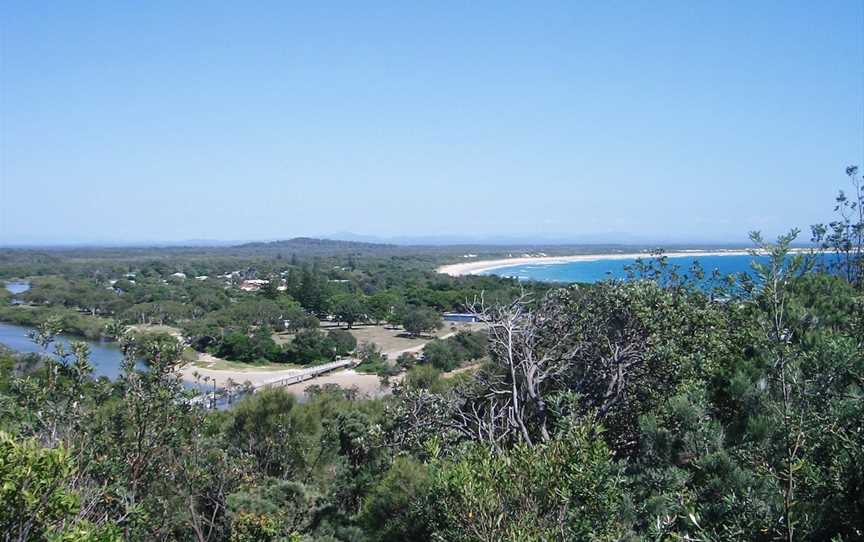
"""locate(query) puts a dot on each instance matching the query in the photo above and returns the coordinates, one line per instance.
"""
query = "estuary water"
(104, 356)
(17, 286)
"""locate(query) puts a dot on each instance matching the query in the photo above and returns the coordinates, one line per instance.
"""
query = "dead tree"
(586, 341)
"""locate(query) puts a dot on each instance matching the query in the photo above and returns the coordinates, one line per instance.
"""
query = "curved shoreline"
(483, 266)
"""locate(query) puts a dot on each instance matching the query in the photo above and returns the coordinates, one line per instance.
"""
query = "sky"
(170, 121)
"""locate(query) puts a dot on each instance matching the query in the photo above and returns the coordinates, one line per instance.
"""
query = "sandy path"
(474, 268)
(365, 384)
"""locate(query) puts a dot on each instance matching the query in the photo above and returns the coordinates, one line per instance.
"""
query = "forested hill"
(23, 261)
(42, 260)
(311, 245)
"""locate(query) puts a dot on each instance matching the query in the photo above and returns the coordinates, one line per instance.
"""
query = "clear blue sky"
(124, 121)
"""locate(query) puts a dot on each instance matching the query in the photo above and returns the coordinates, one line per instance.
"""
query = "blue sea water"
(597, 270)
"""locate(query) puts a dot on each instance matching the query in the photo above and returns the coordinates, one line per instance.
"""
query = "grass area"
(374, 368)
(283, 338)
(387, 338)
(189, 355)
(206, 361)
(474, 366)
(394, 340)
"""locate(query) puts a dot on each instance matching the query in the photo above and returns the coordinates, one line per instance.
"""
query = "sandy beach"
(482, 266)
(238, 376)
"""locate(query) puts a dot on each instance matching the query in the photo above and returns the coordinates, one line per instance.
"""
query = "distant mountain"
(312, 242)
(51, 244)
(605, 239)
(310, 246)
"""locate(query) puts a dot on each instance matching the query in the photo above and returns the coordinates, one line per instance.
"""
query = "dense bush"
(567, 489)
(259, 347)
(344, 341)
(311, 346)
(372, 360)
(636, 410)
(450, 353)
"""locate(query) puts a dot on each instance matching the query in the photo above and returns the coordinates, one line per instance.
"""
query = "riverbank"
(72, 322)
(484, 266)
(206, 369)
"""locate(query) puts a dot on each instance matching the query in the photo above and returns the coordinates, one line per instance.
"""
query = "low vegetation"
(648, 409)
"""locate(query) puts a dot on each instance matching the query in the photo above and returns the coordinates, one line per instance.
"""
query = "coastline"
(483, 266)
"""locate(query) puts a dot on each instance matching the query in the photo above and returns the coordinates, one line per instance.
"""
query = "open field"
(394, 341)
(390, 340)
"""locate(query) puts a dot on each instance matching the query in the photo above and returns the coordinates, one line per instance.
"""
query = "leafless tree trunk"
(554, 347)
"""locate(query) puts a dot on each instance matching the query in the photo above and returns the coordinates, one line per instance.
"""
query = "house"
(179, 275)
(460, 317)
(253, 285)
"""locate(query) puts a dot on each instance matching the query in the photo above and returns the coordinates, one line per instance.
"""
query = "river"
(17, 286)
(104, 356)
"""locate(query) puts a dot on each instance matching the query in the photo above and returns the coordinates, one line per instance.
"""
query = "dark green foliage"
(568, 489)
(406, 360)
(382, 305)
(641, 410)
(260, 426)
(311, 346)
(286, 505)
(36, 499)
(348, 308)
(424, 377)
(5, 296)
(344, 342)
(392, 507)
(695, 445)
(420, 320)
(372, 360)
(438, 354)
(450, 353)
(259, 347)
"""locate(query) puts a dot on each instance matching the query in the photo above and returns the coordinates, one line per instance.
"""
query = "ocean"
(597, 270)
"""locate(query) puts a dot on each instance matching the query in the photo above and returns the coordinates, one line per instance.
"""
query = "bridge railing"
(306, 374)
(211, 398)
